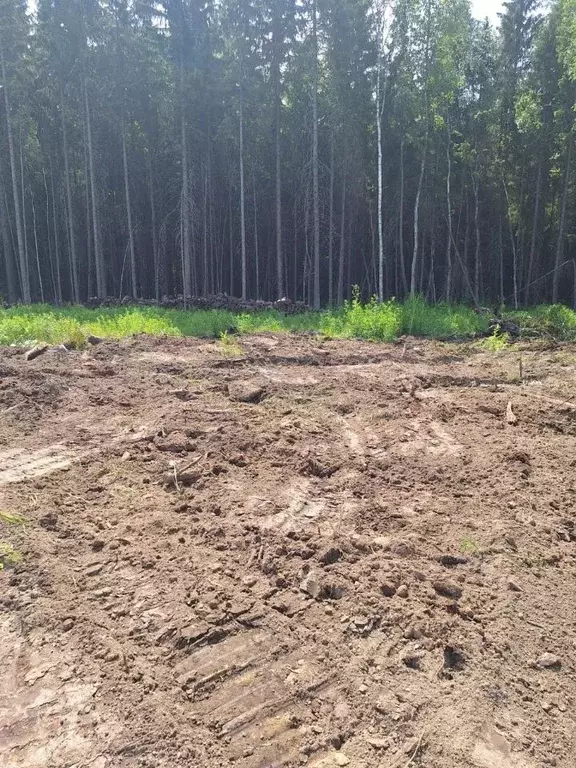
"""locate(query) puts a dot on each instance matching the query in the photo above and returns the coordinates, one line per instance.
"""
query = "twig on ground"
(416, 750)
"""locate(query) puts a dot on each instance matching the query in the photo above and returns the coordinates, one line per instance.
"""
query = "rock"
(67, 624)
(94, 570)
(245, 392)
(548, 661)
(36, 351)
(341, 759)
(513, 585)
(388, 589)
(311, 586)
(384, 542)
(450, 561)
(363, 688)
(378, 743)
(402, 591)
(453, 658)
(330, 556)
(177, 442)
(448, 589)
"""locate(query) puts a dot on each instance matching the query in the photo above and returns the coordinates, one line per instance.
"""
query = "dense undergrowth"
(26, 325)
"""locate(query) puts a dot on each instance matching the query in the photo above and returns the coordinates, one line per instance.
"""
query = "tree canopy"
(287, 147)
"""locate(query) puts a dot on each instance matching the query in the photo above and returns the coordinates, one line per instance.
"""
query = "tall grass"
(26, 325)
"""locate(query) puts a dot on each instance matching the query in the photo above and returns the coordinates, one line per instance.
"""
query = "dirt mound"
(354, 560)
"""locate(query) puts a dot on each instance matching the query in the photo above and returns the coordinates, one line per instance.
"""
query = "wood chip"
(511, 417)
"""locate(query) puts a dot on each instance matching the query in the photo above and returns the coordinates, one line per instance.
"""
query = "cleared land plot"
(291, 551)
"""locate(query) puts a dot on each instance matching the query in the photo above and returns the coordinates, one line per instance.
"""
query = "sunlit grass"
(27, 325)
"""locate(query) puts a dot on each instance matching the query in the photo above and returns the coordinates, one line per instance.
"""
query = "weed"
(440, 320)
(9, 557)
(469, 547)
(27, 325)
(11, 518)
(229, 346)
(496, 342)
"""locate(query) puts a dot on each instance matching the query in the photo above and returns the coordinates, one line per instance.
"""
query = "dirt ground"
(366, 564)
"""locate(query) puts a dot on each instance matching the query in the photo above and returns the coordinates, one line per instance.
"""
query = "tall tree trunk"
(315, 160)
(562, 224)
(133, 265)
(380, 218)
(185, 208)
(155, 253)
(276, 43)
(101, 286)
(23, 202)
(70, 207)
(401, 263)
(449, 220)
(341, 255)
(413, 271)
(256, 246)
(37, 250)
(331, 229)
(23, 263)
(11, 277)
(513, 245)
(205, 270)
(478, 242)
(242, 197)
(57, 265)
(534, 238)
(89, 229)
(48, 238)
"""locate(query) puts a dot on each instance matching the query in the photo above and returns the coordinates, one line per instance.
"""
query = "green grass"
(27, 325)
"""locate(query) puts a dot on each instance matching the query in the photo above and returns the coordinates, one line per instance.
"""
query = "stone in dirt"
(177, 442)
(36, 351)
(388, 589)
(245, 392)
(448, 589)
(548, 661)
(378, 743)
(513, 585)
(341, 759)
(402, 591)
(330, 556)
(311, 586)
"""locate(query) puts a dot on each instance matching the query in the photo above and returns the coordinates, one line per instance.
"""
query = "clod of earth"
(450, 561)
(245, 392)
(388, 589)
(174, 443)
(448, 589)
(36, 351)
(548, 661)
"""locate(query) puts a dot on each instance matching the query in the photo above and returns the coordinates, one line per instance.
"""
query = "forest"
(298, 148)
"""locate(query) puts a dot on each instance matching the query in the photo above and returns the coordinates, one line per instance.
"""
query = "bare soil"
(323, 553)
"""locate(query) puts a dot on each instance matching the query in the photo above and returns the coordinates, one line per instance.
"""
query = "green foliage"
(468, 546)
(440, 320)
(11, 518)
(374, 321)
(26, 325)
(229, 346)
(553, 319)
(9, 557)
(496, 342)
